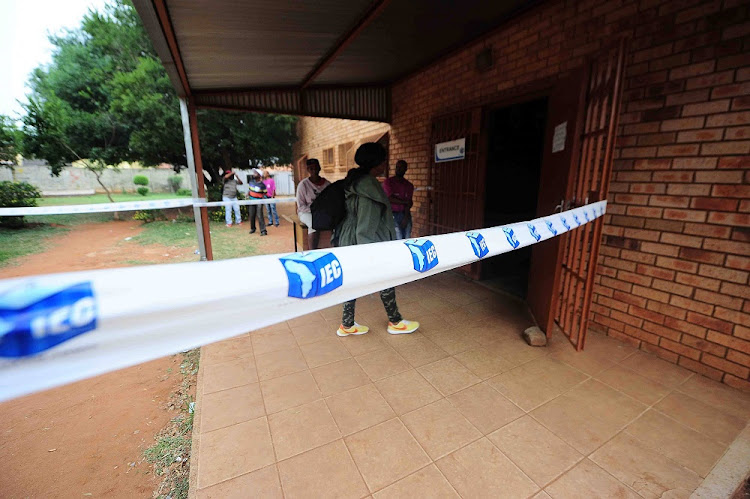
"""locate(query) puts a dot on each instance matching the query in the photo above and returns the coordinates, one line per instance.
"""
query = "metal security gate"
(589, 182)
(457, 196)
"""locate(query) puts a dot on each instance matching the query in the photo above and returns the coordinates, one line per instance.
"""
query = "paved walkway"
(461, 408)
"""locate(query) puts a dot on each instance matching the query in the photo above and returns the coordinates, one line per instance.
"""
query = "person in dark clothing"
(369, 219)
(256, 190)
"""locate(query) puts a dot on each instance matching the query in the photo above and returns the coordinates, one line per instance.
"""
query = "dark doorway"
(514, 161)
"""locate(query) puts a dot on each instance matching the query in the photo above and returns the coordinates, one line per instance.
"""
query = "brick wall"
(675, 261)
(318, 134)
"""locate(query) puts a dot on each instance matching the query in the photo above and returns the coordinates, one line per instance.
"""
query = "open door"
(562, 273)
(457, 196)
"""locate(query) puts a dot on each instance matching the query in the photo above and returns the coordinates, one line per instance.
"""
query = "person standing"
(256, 190)
(369, 219)
(229, 193)
(400, 192)
(307, 190)
(270, 184)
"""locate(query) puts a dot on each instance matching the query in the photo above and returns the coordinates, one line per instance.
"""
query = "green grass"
(102, 198)
(15, 243)
(227, 243)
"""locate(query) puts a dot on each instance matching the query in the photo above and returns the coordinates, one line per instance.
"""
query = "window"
(327, 158)
(346, 156)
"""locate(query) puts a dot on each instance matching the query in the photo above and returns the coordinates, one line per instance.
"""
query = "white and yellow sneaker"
(403, 327)
(355, 330)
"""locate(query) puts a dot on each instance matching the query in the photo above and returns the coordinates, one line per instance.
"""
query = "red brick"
(640, 128)
(740, 103)
(733, 219)
(648, 315)
(665, 225)
(638, 152)
(615, 284)
(735, 90)
(703, 345)
(619, 264)
(673, 176)
(738, 358)
(657, 272)
(633, 278)
(742, 332)
(707, 135)
(714, 204)
(719, 177)
(681, 240)
(666, 309)
(699, 255)
(626, 318)
(692, 70)
(710, 322)
(624, 338)
(727, 119)
(685, 327)
(738, 262)
(694, 163)
(688, 97)
(736, 382)
(731, 191)
(686, 215)
(698, 229)
(732, 61)
(718, 299)
(669, 201)
(651, 294)
(637, 256)
(725, 365)
(642, 211)
(711, 80)
(680, 349)
(679, 150)
(630, 299)
(688, 304)
(725, 148)
(738, 290)
(676, 264)
(683, 124)
(738, 133)
(635, 176)
(736, 247)
(610, 323)
(702, 108)
(639, 333)
(662, 353)
(652, 164)
(613, 305)
(697, 281)
(694, 366)
(736, 31)
(631, 199)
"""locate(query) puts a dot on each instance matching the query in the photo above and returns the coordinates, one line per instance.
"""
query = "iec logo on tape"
(36, 318)
(575, 219)
(511, 237)
(478, 244)
(312, 274)
(550, 227)
(565, 223)
(423, 254)
(533, 232)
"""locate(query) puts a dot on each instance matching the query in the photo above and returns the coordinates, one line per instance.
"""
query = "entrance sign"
(450, 151)
(558, 139)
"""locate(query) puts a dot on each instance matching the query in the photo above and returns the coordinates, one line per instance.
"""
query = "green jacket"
(368, 214)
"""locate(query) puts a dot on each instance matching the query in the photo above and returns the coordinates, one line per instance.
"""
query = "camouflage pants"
(389, 302)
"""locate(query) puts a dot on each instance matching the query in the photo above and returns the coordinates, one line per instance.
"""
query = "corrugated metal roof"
(262, 54)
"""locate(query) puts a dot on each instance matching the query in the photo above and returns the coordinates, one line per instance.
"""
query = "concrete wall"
(78, 179)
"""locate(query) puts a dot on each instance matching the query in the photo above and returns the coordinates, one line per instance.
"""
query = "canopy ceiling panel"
(335, 58)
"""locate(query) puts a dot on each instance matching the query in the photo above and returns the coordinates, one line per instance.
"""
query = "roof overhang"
(333, 58)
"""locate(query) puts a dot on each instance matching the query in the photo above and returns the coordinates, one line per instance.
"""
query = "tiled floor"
(461, 408)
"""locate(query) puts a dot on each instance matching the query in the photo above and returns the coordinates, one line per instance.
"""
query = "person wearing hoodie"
(369, 219)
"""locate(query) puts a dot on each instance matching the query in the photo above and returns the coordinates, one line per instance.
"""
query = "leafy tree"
(9, 141)
(106, 98)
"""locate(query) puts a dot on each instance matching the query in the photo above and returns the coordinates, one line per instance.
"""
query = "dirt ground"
(87, 439)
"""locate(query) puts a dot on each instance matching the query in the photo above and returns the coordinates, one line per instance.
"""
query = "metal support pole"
(195, 165)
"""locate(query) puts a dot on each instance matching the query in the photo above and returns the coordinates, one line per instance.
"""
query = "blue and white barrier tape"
(156, 204)
(59, 328)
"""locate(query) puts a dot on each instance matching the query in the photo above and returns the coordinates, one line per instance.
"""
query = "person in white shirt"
(307, 190)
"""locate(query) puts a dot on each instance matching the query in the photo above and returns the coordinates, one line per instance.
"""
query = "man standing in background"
(400, 192)
(256, 190)
(307, 190)
(270, 184)
(229, 193)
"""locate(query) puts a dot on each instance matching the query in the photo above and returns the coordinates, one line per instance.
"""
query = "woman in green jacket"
(369, 220)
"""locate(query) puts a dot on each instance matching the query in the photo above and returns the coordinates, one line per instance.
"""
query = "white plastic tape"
(247, 202)
(59, 328)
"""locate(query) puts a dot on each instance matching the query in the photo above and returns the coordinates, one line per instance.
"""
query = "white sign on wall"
(450, 151)
(558, 139)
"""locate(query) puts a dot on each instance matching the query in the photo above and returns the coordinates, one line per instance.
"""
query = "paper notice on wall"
(558, 140)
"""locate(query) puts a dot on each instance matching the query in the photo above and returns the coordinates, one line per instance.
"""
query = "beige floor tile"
(483, 362)
(289, 391)
(607, 404)
(228, 350)
(484, 334)
(407, 391)
(359, 345)
(228, 407)
(541, 495)
(427, 482)
(485, 407)
(386, 453)
(340, 376)
(587, 479)
(584, 361)
(420, 352)
(516, 351)
(602, 345)
(314, 331)
(647, 472)
(536, 450)
(480, 470)
(631, 383)
(331, 313)
(691, 449)
(260, 484)
(302, 428)
(572, 423)
(448, 376)
(281, 326)
(360, 408)
(272, 341)
(228, 375)
(233, 451)
(274, 364)
(453, 341)
(327, 471)
(440, 428)
(654, 368)
(382, 363)
(702, 417)
(537, 382)
(324, 352)
(305, 319)
(720, 396)
(436, 305)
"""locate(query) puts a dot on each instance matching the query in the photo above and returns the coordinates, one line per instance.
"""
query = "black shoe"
(277, 225)
(252, 231)
(263, 233)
